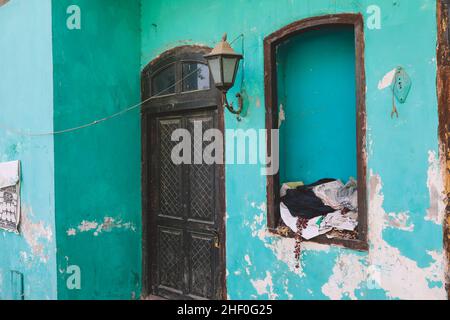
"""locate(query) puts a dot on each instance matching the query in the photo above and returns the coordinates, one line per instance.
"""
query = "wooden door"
(183, 204)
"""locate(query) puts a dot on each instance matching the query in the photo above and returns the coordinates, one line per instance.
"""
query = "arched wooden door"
(183, 205)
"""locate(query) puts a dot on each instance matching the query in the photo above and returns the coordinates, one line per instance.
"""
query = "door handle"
(216, 240)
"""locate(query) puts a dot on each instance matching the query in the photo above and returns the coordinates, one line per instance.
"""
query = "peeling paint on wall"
(435, 184)
(349, 273)
(265, 286)
(37, 235)
(108, 225)
(400, 276)
(281, 247)
(399, 221)
(289, 295)
(387, 80)
(383, 268)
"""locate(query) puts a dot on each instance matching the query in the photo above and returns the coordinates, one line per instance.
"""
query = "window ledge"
(353, 244)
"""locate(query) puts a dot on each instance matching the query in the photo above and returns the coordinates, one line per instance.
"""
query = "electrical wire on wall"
(98, 121)
(115, 115)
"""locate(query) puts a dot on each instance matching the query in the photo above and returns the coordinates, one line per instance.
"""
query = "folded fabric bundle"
(348, 195)
(337, 195)
(341, 221)
(302, 202)
(328, 193)
(326, 205)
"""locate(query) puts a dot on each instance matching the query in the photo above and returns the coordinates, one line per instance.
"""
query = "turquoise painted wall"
(97, 170)
(26, 103)
(317, 91)
(91, 178)
(405, 208)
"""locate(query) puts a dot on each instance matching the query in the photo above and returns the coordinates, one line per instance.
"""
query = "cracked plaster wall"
(406, 259)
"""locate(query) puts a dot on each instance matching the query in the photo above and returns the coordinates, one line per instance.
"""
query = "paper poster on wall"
(10, 196)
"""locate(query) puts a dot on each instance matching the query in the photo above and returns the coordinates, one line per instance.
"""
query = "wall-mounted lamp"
(223, 63)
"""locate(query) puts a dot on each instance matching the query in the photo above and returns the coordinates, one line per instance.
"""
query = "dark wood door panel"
(169, 174)
(202, 265)
(202, 187)
(185, 211)
(170, 260)
(183, 205)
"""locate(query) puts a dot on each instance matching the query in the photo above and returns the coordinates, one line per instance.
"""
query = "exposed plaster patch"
(71, 232)
(248, 260)
(348, 274)
(262, 207)
(259, 219)
(62, 269)
(249, 264)
(399, 276)
(265, 286)
(86, 226)
(281, 247)
(23, 256)
(387, 80)
(281, 116)
(107, 225)
(35, 233)
(26, 259)
(313, 246)
(435, 184)
(369, 142)
(399, 221)
(286, 290)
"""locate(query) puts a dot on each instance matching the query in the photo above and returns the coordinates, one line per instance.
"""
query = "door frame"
(165, 105)
(443, 93)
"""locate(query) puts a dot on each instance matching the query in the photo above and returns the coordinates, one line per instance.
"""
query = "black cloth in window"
(303, 203)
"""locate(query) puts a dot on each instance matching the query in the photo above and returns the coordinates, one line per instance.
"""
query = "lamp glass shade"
(223, 63)
(229, 70)
(216, 71)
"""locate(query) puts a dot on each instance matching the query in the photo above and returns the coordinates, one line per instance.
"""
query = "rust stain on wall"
(443, 87)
